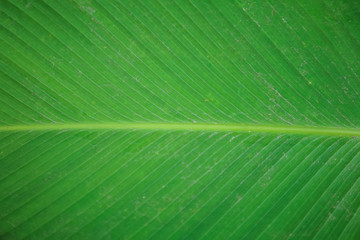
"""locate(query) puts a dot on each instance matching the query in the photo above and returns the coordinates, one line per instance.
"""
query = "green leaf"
(180, 119)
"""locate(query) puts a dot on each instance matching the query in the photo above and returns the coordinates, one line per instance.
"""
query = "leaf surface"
(180, 119)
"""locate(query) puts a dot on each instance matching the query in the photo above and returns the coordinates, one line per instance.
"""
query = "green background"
(94, 68)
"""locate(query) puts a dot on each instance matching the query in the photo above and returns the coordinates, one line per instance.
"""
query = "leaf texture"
(180, 119)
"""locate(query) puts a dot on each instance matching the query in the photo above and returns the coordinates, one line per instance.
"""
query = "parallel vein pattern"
(179, 119)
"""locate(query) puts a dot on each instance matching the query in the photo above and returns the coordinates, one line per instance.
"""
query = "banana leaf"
(180, 119)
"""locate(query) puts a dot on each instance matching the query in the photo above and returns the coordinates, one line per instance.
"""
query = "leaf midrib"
(275, 129)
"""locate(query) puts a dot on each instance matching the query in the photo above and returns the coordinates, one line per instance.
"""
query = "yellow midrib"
(276, 129)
